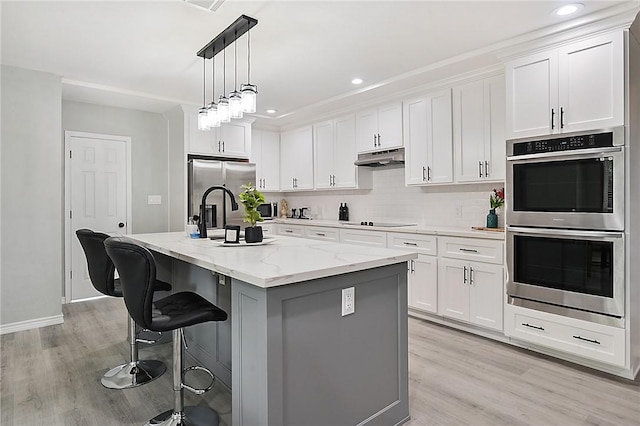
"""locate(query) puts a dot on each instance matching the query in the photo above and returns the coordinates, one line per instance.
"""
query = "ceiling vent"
(211, 5)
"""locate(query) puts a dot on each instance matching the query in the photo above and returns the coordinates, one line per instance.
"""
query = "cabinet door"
(423, 283)
(495, 142)
(296, 156)
(453, 289)
(345, 152)
(324, 154)
(265, 152)
(366, 129)
(415, 134)
(234, 139)
(532, 94)
(390, 126)
(468, 131)
(439, 137)
(486, 298)
(287, 160)
(591, 83)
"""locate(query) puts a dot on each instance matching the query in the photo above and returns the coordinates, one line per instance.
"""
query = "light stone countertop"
(413, 229)
(286, 260)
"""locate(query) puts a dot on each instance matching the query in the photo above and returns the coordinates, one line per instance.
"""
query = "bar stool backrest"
(101, 268)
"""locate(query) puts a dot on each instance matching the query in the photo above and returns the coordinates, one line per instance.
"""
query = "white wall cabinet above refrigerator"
(229, 140)
(428, 139)
(578, 86)
(296, 159)
(478, 130)
(379, 128)
(265, 152)
(334, 143)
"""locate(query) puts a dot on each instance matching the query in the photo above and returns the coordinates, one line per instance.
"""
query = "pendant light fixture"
(203, 121)
(235, 99)
(249, 91)
(238, 103)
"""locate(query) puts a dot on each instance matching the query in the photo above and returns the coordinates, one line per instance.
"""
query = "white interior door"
(97, 191)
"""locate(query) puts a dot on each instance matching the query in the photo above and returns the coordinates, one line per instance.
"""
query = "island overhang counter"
(288, 354)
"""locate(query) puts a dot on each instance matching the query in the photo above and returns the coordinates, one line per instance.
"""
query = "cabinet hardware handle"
(429, 173)
(407, 243)
(533, 326)
(264, 183)
(321, 234)
(486, 169)
(219, 147)
(586, 340)
(289, 231)
(561, 117)
(379, 144)
(413, 266)
(480, 168)
(223, 146)
(464, 275)
(471, 275)
(375, 141)
(424, 173)
(553, 119)
(466, 250)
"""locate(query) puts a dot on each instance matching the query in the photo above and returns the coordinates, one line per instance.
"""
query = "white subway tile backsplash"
(391, 201)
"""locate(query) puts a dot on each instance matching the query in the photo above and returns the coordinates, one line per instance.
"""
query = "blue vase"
(492, 219)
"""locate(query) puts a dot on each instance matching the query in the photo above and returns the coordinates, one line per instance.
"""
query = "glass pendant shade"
(213, 117)
(235, 104)
(203, 119)
(249, 92)
(223, 110)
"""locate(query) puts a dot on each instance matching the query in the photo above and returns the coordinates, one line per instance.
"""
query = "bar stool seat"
(102, 275)
(137, 269)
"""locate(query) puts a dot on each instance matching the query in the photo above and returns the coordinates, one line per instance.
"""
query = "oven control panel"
(567, 143)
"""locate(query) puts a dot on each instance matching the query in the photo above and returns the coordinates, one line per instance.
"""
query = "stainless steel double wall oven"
(565, 233)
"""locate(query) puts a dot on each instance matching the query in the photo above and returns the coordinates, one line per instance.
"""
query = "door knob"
(121, 225)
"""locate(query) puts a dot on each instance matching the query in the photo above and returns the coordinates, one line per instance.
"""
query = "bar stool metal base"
(133, 374)
(191, 416)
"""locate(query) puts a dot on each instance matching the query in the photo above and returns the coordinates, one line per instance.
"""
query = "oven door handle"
(581, 153)
(565, 232)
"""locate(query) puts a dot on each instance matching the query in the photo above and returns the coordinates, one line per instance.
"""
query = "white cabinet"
(296, 159)
(422, 283)
(363, 237)
(335, 152)
(471, 281)
(324, 233)
(478, 130)
(265, 152)
(379, 128)
(229, 140)
(290, 230)
(578, 86)
(428, 139)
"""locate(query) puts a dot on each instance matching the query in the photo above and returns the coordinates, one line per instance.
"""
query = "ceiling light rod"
(241, 25)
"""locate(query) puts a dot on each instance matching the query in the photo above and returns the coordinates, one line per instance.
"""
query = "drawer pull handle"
(321, 234)
(466, 250)
(406, 243)
(289, 231)
(534, 326)
(586, 340)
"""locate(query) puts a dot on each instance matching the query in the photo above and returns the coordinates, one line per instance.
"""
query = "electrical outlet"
(154, 199)
(459, 210)
(348, 301)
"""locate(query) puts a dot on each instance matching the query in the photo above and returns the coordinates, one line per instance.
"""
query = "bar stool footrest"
(191, 416)
(195, 390)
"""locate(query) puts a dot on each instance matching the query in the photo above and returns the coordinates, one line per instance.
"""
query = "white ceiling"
(142, 55)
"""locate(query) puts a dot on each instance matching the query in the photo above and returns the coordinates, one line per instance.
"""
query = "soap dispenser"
(346, 212)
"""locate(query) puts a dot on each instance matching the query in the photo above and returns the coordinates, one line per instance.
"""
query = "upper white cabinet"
(428, 139)
(379, 128)
(229, 140)
(265, 152)
(478, 130)
(296, 159)
(579, 86)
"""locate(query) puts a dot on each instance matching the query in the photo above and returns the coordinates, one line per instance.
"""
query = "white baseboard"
(31, 324)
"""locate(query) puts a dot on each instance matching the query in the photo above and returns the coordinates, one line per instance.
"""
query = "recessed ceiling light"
(271, 111)
(356, 81)
(568, 9)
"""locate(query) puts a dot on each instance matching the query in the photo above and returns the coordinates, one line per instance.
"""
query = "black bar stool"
(102, 274)
(137, 268)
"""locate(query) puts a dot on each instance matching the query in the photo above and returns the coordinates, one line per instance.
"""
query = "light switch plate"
(154, 199)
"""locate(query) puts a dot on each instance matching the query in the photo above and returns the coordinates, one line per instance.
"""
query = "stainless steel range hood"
(391, 157)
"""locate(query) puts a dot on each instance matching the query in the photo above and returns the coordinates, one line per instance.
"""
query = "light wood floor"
(50, 376)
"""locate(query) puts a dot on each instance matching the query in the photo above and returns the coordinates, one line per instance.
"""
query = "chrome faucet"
(203, 222)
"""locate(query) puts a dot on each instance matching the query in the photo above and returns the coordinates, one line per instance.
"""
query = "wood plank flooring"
(50, 376)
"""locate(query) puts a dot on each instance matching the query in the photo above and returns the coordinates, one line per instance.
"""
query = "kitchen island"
(287, 352)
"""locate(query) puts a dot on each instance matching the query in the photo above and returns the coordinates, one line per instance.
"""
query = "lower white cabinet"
(290, 230)
(323, 233)
(582, 338)
(268, 229)
(364, 238)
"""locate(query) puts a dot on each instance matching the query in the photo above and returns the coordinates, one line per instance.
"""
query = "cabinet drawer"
(423, 244)
(366, 238)
(322, 233)
(268, 228)
(290, 230)
(582, 338)
(477, 250)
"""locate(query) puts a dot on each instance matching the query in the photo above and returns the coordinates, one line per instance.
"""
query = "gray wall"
(177, 166)
(31, 203)
(149, 158)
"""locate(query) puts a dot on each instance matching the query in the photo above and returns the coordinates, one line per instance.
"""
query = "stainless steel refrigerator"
(203, 174)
